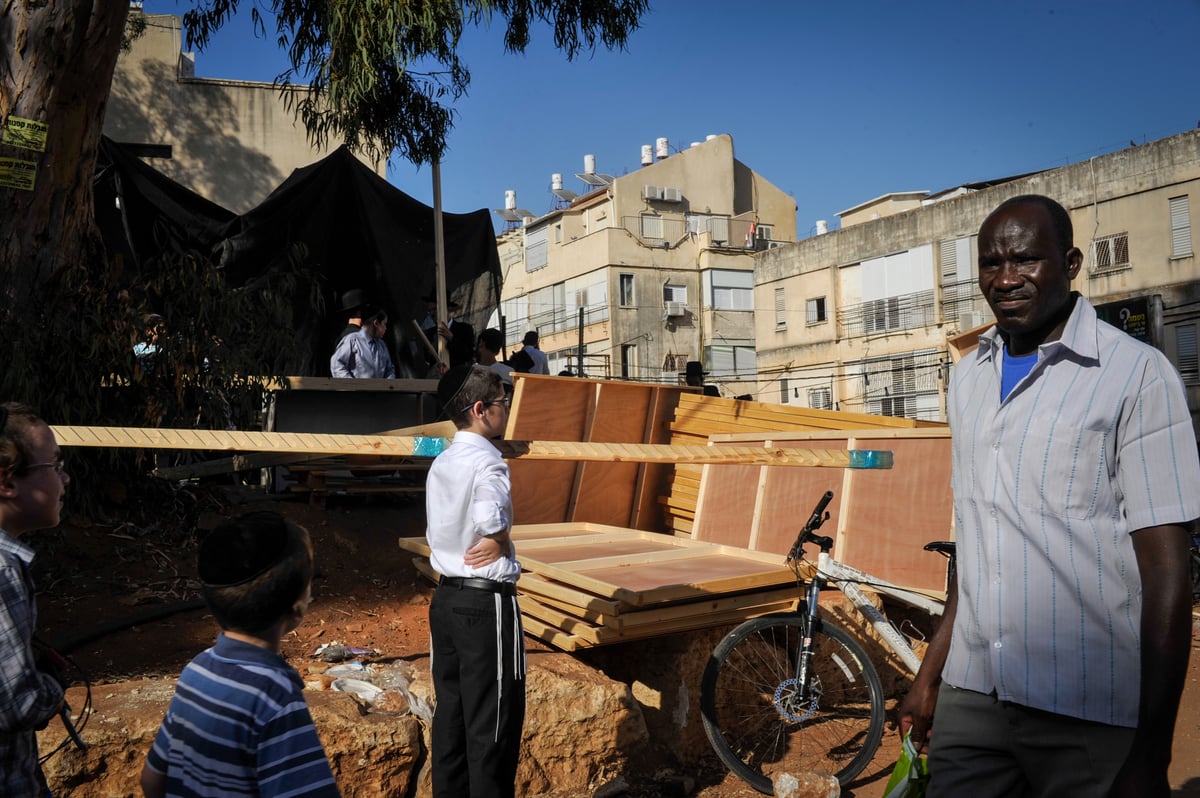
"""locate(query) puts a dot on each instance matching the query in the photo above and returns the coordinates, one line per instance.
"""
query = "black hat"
(694, 368)
(352, 300)
(450, 303)
(449, 387)
(242, 549)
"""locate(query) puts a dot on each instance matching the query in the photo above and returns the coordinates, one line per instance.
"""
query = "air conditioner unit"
(652, 192)
(672, 194)
(971, 319)
(673, 309)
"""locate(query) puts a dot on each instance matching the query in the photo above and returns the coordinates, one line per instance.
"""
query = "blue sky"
(835, 103)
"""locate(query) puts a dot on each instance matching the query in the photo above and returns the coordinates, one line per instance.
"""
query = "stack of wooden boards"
(590, 536)
(588, 584)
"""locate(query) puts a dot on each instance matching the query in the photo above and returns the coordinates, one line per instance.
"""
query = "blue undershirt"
(1013, 369)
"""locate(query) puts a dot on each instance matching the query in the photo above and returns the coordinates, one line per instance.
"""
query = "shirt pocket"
(1061, 469)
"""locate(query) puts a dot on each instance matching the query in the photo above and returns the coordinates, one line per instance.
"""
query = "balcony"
(905, 312)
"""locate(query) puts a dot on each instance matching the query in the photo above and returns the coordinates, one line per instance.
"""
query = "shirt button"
(995, 580)
(997, 644)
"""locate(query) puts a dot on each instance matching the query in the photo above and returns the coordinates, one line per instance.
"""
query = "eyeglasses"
(58, 465)
(506, 401)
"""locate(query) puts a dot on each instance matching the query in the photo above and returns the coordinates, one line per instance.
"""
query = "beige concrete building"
(230, 141)
(659, 262)
(862, 314)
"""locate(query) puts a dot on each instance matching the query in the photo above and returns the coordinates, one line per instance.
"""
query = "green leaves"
(382, 74)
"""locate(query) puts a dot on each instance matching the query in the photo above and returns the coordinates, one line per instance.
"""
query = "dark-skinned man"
(1058, 666)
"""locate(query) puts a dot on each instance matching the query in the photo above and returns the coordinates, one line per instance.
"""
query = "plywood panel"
(895, 513)
(725, 508)
(789, 497)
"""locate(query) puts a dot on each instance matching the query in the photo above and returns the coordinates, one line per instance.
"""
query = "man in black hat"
(460, 336)
(352, 304)
(694, 375)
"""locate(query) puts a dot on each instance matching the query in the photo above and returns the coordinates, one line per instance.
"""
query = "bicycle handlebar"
(818, 517)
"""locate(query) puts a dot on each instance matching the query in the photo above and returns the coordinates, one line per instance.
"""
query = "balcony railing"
(905, 312)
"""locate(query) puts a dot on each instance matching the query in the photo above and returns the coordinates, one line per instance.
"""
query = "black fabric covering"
(143, 214)
(336, 217)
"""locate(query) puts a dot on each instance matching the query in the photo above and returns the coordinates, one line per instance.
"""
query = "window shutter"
(1181, 227)
(1185, 348)
(780, 310)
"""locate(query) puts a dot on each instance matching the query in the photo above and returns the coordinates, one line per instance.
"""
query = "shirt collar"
(465, 436)
(16, 548)
(1078, 336)
(228, 648)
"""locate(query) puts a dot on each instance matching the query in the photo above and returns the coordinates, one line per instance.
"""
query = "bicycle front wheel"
(762, 722)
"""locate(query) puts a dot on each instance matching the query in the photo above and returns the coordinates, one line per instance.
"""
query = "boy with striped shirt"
(238, 724)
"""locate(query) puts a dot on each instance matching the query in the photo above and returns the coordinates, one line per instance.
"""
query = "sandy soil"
(101, 583)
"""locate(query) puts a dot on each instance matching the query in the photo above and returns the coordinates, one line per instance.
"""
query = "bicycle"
(792, 692)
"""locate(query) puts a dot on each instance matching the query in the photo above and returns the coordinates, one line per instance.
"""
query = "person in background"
(362, 354)
(694, 375)
(477, 648)
(491, 342)
(459, 335)
(351, 306)
(238, 723)
(529, 346)
(33, 484)
(1060, 660)
(146, 350)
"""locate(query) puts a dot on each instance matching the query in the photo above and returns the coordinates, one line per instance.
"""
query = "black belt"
(474, 583)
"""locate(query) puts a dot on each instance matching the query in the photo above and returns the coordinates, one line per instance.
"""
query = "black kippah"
(450, 385)
(242, 549)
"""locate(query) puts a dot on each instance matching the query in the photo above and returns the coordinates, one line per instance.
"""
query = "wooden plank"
(604, 492)
(695, 404)
(724, 509)
(402, 446)
(549, 634)
(631, 619)
(371, 385)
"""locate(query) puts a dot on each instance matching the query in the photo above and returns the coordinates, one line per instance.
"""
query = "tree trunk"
(56, 65)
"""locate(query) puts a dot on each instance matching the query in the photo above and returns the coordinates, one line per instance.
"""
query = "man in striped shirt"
(238, 724)
(1058, 667)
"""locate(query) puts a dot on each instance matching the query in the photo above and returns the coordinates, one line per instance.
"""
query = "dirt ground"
(102, 584)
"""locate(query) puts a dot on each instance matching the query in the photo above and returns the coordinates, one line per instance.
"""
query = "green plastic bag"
(911, 774)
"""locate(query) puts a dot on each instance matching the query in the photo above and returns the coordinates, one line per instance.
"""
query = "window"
(537, 249)
(731, 360)
(783, 391)
(901, 385)
(780, 310)
(675, 293)
(1186, 356)
(652, 226)
(629, 366)
(815, 310)
(820, 398)
(627, 298)
(882, 314)
(558, 234)
(732, 290)
(1181, 227)
(1110, 253)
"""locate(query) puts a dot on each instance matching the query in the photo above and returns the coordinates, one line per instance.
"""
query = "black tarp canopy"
(346, 224)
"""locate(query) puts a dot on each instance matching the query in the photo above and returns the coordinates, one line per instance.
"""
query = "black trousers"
(478, 666)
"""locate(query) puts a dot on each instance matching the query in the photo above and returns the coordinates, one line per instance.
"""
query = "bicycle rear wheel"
(758, 723)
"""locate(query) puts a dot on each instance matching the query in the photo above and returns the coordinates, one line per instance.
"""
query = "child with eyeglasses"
(32, 486)
(478, 648)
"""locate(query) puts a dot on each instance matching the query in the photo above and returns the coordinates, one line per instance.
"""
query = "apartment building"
(639, 274)
(230, 141)
(862, 315)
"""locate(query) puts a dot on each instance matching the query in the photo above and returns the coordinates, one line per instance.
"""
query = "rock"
(581, 729)
(806, 785)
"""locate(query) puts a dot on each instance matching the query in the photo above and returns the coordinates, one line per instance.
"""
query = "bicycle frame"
(846, 578)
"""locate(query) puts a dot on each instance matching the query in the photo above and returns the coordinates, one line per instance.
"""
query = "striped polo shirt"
(238, 725)
(1094, 443)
